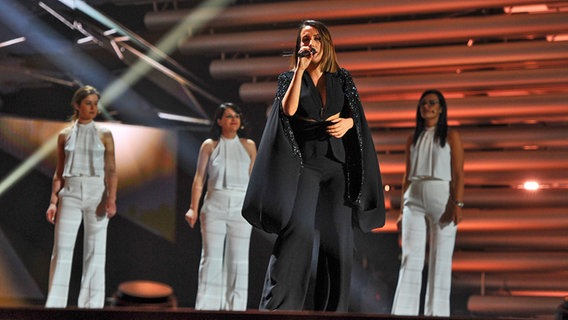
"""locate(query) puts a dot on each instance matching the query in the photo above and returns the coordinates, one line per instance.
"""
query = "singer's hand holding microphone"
(305, 56)
(306, 53)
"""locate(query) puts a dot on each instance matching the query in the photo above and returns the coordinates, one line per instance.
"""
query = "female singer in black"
(316, 176)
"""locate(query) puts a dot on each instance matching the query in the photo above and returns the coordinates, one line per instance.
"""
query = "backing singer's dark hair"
(216, 129)
(442, 125)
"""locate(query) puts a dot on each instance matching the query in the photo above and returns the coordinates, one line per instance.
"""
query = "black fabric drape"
(272, 186)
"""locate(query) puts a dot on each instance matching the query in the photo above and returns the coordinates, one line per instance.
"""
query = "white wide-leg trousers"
(424, 203)
(78, 201)
(223, 271)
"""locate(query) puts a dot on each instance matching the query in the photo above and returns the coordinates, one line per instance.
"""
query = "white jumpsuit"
(423, 204)
(78, 201)
(223, 271)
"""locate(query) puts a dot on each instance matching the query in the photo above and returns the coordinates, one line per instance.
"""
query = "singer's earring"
(242, 127)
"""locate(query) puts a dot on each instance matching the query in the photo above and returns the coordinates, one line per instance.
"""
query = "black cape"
(271, 191)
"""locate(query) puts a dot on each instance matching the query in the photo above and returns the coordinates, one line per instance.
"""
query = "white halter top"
(228, 166)
(84, 151)
(428, 160)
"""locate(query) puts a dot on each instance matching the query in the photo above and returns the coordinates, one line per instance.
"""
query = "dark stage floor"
(145, 313)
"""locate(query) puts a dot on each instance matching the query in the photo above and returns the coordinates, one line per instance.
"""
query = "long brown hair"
(329, 59)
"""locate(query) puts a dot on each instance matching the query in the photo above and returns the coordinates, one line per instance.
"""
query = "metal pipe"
(480, 109)
(513, 305)
(491, 261)
(270, 13)
(380, 34)
(514, 218)
(449, 58)
(501, 220)
(380, 88)
(512, 281)
(375, 87)
(492, 161)
(500, 198)
(514, 137)
(492, 109)
(546, 177)
(520, 239)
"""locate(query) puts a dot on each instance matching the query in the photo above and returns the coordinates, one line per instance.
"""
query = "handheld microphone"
(306, 53)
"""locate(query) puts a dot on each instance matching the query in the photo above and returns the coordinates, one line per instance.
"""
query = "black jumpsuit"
(320, 216)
